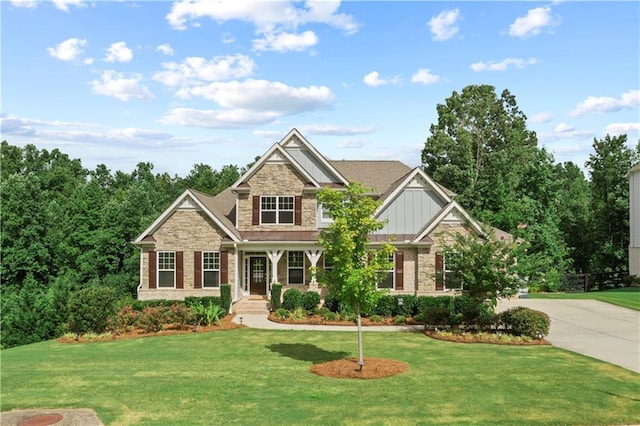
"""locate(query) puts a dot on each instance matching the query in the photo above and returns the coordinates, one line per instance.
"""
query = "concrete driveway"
(590, 327)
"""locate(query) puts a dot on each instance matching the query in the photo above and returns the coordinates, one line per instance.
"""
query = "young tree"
(357, 268)
(488, 268)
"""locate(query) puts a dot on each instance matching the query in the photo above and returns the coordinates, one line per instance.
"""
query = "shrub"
(409, 306)
(125, 318)
(298, 314)
(376, 318)
(206, 314)
(436, 316)
(276, 296)
(292, 299)
(310, 300)
(90, 309)
(332, 302)
(399, 319)
(386, 306)
(152, 318)
(225, 297)
(282, 313)
(202, 300)
(523, 321)
(179, 314)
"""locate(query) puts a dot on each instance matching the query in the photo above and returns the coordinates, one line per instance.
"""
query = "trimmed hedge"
(225, 297)
(276, 296)
(292, 299)
(523, 321)
(190, 301)
(90, 309)
(310, 301)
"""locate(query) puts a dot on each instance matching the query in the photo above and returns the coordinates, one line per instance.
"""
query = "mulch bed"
(483, 338)
(318, 320)
(348, 368)
(225, 324)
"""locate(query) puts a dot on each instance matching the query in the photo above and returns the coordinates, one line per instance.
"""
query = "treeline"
(65, 228)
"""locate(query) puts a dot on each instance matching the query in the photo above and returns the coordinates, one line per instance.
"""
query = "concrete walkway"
(590, 327)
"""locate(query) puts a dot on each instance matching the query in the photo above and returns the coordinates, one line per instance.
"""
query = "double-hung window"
(210, 269)
(452, 279)
(166, 269)
(277, 209)
(387, 282)
(295, 267)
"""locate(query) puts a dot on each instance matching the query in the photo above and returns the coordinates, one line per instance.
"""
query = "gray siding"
(410, 211)
(319, 172)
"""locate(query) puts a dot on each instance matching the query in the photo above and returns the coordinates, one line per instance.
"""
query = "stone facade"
(277, 179)
(186, 230)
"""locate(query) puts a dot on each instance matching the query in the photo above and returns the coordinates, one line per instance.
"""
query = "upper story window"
(277, 209)
(166, 269)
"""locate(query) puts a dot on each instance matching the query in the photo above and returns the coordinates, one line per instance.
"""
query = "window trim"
(278, 210)
(289, 267)
(392, 271)
(204, 270)
(446, 272)
(160, 269)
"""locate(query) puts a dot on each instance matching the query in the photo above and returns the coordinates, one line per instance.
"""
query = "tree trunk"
(360, 358)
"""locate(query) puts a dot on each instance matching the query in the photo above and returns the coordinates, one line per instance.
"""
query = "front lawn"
(626, 297)
(248, 376)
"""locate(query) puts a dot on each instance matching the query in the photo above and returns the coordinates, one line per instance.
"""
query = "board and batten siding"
(410, 211)
(311, 164)
(634, 220)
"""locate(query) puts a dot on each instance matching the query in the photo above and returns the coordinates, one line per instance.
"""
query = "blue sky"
(218, 82)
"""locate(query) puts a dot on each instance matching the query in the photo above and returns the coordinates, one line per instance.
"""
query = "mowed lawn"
(248, 376)
(625, 297)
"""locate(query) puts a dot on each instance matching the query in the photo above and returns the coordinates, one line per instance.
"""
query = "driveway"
(590, 327)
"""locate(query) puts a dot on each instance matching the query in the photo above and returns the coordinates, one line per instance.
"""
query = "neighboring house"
(634, 220)
(265, 227)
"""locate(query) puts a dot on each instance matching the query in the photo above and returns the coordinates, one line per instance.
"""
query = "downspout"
(237, 275)
(141, 272)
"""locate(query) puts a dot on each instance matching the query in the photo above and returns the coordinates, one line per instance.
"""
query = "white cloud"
(443, 26)
(284, 42)
(616, 129)
(373, 79)
(196, 70)
(328, 129)
(227, 38)
(628, 100)
(502, 65)
(116, 85)
(64, 4)
(118, 52)
(264, 96)
(424, 76)
(30, 4)
(563, 128)
(216, 119)
(542, 117)
(276, 22)
(68, 50)
(166, 49)
(533, 23)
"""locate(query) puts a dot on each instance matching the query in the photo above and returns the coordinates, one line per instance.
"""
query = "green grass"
(625, 297)
(248, 377)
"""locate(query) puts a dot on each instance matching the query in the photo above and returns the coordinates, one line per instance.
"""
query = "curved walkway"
(596, 329)
(590, 327)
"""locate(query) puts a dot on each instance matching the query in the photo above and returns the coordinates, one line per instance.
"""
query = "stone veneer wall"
(188, 231)
(426, 264)
(277, 179)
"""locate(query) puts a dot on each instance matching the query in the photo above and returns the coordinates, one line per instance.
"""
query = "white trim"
(277, 210)
(443, 214)
(202, 269)
(274, 257)
(296, 267)
(158, 269)
(175, 206)
(409, 183)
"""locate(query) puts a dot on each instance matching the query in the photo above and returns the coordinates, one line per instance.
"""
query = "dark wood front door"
(258, 275)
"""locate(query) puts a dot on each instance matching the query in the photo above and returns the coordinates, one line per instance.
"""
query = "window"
(387, 282)
(452, 279)
(325, 215)
(295, 267)
(166, 269)
(328, 264)
(210, 269)
(276, 209)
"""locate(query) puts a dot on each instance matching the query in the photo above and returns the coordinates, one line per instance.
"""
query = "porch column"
(274, 257)
(313, 257)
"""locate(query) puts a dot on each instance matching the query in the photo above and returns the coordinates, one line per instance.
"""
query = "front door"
(258, 275)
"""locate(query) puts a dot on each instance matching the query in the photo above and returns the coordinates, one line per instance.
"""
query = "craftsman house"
(264, 228)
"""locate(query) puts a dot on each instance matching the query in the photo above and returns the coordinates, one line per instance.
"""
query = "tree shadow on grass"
(307, 352)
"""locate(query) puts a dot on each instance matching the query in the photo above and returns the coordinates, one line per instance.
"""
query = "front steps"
(252, 305)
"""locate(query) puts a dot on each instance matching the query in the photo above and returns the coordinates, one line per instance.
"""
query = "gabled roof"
(452, 207)
(202, 201)
(406, 181)
(377, 175)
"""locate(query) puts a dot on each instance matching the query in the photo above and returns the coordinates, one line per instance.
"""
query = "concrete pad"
(597, 329)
